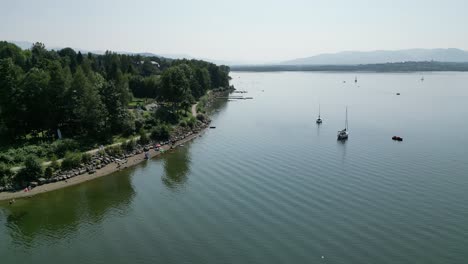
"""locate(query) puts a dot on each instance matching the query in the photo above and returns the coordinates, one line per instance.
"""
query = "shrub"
(71, 160)
(191, 122)
(48, 172)
(42, 150)
(54, 163)
(114, 151)
(5, 173)
(139, 123)
(183, 123)
(14, 156)
(201, 117)
(86, 157)
(31, 171)
(165, 114)
(128, 146)
(61, 147)
(5, 158)
(101, 152)
(144, 139)
(161, 132)
(127, 124)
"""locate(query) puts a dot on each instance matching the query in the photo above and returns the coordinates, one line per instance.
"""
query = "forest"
(89, 99)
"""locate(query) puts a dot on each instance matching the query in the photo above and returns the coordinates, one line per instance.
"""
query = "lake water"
(270, 186)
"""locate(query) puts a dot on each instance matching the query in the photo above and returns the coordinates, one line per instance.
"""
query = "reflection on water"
(61, 212)
(342, 145)
(177, 162)
(176, 168)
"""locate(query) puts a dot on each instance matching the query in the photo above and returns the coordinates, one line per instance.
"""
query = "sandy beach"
(109, 169)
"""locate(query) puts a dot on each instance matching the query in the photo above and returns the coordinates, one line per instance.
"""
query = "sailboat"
(343, 134)
(422, 79)
(319, 120)
(355, 79)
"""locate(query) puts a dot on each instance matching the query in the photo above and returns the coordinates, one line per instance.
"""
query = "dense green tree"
(10, 91)
(9, 50)
(144, 139)
(35, 98)
(39, 54)
(86, 111)
(116, 97)
(88, 95)
(5, 174)
(202, 78)
(148, 68)
(175, 86)
(136, 85)
(147, 87)
(58, 86)
(31, 171)
(69, 55)
(79, 58)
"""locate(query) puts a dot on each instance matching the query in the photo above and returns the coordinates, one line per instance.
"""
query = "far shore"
(109, 169)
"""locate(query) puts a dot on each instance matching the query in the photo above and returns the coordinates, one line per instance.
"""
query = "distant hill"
(382, 56)
(22, 44)
(419, 66)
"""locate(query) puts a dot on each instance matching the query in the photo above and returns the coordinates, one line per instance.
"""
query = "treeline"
(410, 66)
(87, 95)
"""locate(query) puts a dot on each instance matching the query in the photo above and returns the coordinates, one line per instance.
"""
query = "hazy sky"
(240, 30)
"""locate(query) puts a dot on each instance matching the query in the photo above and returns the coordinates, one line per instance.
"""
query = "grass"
(140, 102)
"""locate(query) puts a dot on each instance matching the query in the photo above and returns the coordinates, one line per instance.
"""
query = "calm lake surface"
(270, 186)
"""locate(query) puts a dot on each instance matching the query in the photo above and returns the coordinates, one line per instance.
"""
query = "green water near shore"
(270, 186)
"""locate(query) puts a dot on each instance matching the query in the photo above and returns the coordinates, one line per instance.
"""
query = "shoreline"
(107, 170)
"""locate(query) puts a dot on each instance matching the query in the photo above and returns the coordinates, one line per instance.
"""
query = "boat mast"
(319, 111)
(346, 122)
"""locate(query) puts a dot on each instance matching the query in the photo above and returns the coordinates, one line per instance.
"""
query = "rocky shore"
(105, 162)
(102, 163)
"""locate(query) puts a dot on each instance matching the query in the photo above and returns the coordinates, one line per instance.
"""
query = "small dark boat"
(397, 93)
(212, 127)
(397, 138)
